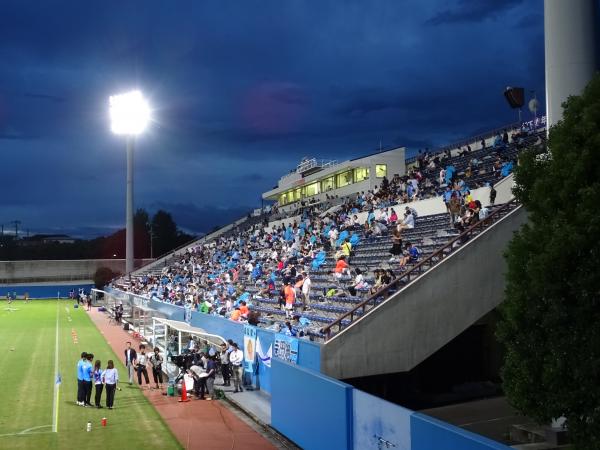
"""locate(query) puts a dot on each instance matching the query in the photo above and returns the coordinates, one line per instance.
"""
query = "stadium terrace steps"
(427, 312)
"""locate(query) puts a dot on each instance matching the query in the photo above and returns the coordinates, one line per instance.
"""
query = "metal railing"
(478, 137)
(416, 271)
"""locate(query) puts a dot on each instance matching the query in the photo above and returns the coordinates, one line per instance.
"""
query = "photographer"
(199, 375)
(156, 361)
(141, 362)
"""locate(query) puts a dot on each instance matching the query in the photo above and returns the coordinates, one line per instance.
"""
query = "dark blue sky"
(241, 91)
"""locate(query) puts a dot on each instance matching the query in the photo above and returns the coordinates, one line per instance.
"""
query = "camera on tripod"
(184, 361)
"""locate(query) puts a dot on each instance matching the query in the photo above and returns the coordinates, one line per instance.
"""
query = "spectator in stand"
(306, 287)
(236, 314)
(492, 194)
(483, 211)
(359, 282)
(396, 249)
(409, 220)
(393, 217)
(346, 249)
(290, 298)
(411, 255)
(454, 208)
(341, 268)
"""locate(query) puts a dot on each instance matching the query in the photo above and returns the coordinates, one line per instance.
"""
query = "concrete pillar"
(571, 51)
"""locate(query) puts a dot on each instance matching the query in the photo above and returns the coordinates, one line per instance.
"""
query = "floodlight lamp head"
(129, 113)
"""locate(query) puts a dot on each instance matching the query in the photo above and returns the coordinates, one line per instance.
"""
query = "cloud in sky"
(241, 92)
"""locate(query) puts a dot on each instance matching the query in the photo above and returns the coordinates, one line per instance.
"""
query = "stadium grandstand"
(348, 250)
(362, 306)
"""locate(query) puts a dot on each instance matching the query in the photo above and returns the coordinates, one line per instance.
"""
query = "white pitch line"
(28, 431)
(56, 385)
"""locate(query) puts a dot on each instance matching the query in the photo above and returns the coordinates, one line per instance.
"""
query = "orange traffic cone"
(184, 397)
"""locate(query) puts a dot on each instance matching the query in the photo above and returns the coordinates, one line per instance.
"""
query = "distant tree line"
(161, 227)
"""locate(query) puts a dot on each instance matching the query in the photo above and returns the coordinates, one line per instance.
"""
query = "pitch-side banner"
(263, 357)
(286, 348)
(249, 348)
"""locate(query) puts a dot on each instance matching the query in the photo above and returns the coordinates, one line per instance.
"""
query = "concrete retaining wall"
(58, 270)
(429, 312)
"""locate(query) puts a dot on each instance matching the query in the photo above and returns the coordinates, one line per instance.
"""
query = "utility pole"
(17, 223)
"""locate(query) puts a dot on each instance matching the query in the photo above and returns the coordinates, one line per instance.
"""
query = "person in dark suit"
(130, 358)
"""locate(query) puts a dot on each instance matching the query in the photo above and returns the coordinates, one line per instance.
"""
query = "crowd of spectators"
(228, 275)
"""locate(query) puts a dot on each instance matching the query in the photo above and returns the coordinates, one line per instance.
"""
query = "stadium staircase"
(427, 306)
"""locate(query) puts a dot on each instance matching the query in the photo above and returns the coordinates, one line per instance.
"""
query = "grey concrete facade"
(58, 270)
(429, 312)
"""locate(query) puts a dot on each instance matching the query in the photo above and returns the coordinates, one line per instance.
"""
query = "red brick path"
(197, 424)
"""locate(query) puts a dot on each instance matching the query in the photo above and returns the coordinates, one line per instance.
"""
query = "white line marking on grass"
(28, 431)
(56, 380)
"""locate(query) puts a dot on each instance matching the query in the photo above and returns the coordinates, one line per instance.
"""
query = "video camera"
(184, 361)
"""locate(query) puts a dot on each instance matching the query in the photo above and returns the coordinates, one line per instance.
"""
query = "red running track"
(197, 424)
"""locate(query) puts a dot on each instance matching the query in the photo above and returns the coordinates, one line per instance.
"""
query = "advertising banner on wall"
(249, 348)
(187, 315)
(286, 348)
(265, 358)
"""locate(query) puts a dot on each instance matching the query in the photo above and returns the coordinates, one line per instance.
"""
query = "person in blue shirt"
(87, 370)
(97, 375)
(80, 386)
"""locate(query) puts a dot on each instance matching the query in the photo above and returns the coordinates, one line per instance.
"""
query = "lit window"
(327, 184)
(360, 174)
(297, 194)
(311, 189)
(380, 170)
(344, 179)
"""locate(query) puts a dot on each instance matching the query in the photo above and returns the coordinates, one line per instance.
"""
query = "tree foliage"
(551, 316)
(166, 237)
(103, 276)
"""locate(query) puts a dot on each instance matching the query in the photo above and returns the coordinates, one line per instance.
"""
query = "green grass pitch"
(27, 381)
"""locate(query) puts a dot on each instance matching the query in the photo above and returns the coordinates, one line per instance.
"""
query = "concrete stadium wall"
(351, 420)
(58, 270)
(355, 420)
(427, 313)
(48, 290)
(310, 409)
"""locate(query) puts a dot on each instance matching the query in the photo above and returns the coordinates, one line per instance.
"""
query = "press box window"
(311, 189)
(380, 170)
(361, 174)
(344, 179)
(327, 184)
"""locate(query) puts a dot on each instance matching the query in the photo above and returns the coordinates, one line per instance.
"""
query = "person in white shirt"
(306, 285)
(110, 378)
(333, 235)
(236, 359)
(141, 363)
(408, 222)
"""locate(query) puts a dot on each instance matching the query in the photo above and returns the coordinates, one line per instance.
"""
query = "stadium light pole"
(129, 115)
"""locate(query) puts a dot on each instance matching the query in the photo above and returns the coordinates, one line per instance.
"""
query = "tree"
(141, 234)
(103, 276)
(551, 316)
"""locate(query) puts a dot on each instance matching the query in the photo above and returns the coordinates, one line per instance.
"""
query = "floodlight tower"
(129, 115)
